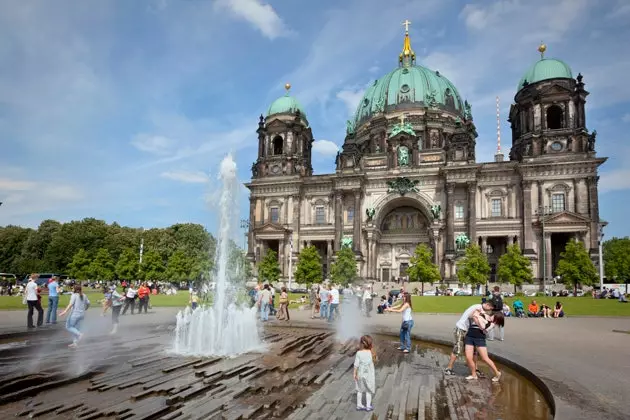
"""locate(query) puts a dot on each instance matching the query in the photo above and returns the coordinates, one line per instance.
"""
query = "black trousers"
(128, 303)
(143, 303)
(34, 304)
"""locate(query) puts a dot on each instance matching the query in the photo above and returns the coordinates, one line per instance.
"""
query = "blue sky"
(122, 110)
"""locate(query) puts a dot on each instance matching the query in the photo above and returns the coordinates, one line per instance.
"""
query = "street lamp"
(601, 256)
(543, 212)
(489, 250)
(245, 226)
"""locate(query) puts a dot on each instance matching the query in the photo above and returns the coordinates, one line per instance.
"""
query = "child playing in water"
(364, 373)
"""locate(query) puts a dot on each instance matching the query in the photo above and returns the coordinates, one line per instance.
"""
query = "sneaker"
(471, 378)
(369, 408)
(497, 378)
(480, 374)
(400, 348)
(405, 351)
(449, 372)
(360, 408)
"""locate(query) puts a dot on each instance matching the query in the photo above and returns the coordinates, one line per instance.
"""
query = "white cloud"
(157, 145)
(197, 177)
(16, 185)
(325, 147)
(261, 15)
(626, 117)
(351, 97)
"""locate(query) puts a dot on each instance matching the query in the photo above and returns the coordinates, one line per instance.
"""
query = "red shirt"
(143, 291)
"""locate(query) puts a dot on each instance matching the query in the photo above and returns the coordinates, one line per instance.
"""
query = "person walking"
(79, 302)
(130, 300)
(459, 334)
(407, 323)
(364, 377)
(333, 299)
(367, 301)
(114, 301)
(143, 298)
(53, 301)
(33, 302)
(323, 302)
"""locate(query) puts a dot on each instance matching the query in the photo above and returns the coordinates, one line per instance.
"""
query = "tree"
(179, 267)
(102, 266)
(575, 266)
(309, 267)
(473, 269)
(269, 268)
(514, 268)
(80, 265)
(617, 259)
(127, 265)
(344, 270)
(152, 267)
(422, 268)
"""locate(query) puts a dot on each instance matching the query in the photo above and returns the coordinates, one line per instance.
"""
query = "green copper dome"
(408, 85)
(545, 69)
(286, 104)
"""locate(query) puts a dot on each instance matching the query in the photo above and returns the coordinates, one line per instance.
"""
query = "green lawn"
(425, 304)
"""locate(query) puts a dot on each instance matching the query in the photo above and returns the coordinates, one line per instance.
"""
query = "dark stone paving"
(305, 374)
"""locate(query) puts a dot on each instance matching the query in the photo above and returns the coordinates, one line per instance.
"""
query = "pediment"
(555, 89)
(276, 123)
(566, 217)
(270, 228)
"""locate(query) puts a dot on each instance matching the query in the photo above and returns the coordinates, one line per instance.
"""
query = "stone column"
(472, 210)
(356, 234)
(338, 219)
(282, 258)
(368, 260)
(548, 253)
(593, 211)
(450, 217)
(528, 234)
(541, 197)
(296, 223)
(375, 260)
(510, 240)
(329, 255)
(484, 244)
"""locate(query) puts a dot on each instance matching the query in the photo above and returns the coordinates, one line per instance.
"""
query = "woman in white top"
(79, 302)
(407, 323)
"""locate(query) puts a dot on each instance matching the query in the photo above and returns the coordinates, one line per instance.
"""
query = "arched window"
(554, 117)
(277, 145)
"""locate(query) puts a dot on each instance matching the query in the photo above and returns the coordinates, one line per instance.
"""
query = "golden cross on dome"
(406, 24)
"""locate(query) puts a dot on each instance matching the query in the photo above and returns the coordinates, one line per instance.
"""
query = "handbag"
(405, 325)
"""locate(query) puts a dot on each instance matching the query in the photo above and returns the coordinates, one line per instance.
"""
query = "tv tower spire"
(498, 156)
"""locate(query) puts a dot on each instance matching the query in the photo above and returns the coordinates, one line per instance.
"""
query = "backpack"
(497, 302)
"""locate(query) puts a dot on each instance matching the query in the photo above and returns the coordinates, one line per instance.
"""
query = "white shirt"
(335, 296)
(131, 293)
(462, 324)
(367, 295)
(31, 290)
(407, 314)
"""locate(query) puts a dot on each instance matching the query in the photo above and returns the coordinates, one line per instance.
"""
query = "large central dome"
(410, 86)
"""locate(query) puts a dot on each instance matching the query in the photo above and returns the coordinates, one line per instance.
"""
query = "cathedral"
(407, 174)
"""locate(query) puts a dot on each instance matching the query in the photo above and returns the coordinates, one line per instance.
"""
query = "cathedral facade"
(407, 174)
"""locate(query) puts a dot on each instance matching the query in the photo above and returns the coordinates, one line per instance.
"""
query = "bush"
(519, 294)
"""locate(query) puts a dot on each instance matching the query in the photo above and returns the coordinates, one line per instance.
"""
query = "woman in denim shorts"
(480, 324)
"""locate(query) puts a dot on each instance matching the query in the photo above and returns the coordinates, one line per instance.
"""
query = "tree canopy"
(575, 266)
(91, 248)
(269, 268)
(422, 268)
(344, 270)
(617, 259)
(309, 266)
(514, 268)
(473, 268)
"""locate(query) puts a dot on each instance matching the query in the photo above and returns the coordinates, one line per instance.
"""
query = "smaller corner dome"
(286, 104)
(545, 69)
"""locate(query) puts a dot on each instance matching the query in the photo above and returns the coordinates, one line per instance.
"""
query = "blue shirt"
(52, 289)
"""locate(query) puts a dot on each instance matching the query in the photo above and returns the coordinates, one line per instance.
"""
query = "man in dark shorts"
(461, 328)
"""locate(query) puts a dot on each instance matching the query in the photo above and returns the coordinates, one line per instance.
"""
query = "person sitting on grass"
(545, 311)
(507, 312)
(558, 311)
(533, 310)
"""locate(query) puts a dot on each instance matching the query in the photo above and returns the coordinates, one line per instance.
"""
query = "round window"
(404, 88)
(556, 146)
(366, 102)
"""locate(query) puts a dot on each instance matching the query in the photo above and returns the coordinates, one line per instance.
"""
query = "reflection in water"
(514, 398)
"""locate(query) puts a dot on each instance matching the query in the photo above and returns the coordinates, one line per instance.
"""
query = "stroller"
(519, 311)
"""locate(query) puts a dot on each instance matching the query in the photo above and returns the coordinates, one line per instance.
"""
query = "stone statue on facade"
(467, 111)
(419, 141)
(346, 242)
(370, 212)
(462, 241)
(349, 127)
(436, 210)
(403, 156)
(380, 104)
(254, 170)
(430, 99)
(435, 137)
(377, 149)
(591, 141)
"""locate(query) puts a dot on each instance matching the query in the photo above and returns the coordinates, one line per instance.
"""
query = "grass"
(421, 304)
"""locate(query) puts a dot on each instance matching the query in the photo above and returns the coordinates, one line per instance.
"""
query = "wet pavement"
(304, 374)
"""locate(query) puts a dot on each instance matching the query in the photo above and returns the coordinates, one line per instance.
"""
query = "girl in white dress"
(364, 373)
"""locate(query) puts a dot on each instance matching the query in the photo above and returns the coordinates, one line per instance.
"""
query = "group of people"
(263, 297)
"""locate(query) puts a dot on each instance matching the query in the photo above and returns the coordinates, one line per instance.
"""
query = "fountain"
(224, 328)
